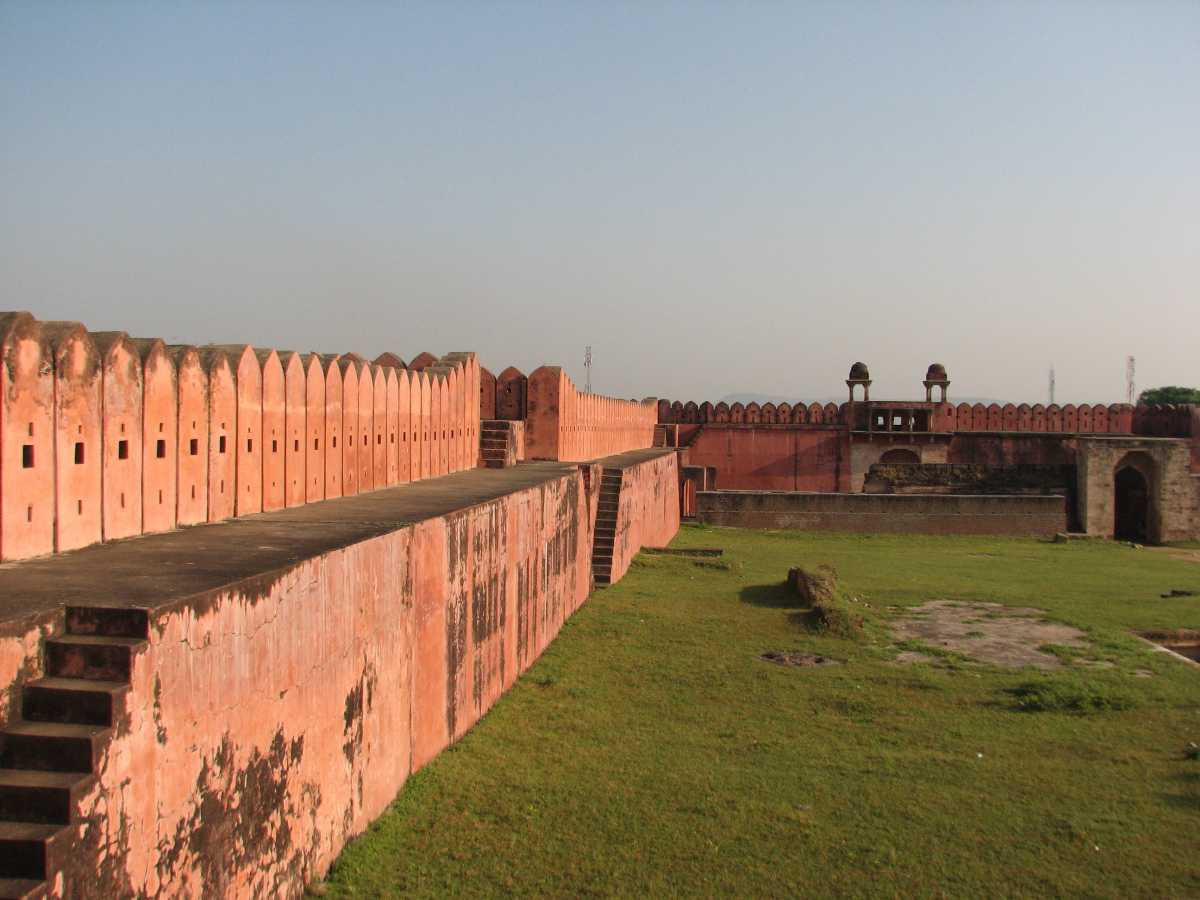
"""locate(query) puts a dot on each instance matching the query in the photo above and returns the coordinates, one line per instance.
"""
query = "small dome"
(858, 372)
(937, 372)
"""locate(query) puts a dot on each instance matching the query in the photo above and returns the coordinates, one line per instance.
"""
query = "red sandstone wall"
(647, 509)
(270, 722)
(566, 424)
(103, 436)
(885, 513)
(1116, 418)
(774, 459)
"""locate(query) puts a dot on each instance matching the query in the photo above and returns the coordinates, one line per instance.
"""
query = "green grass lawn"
(650, 752)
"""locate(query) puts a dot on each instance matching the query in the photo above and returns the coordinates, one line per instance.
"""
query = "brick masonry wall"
(884, 513)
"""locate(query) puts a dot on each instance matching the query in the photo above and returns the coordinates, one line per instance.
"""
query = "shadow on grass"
(1181, 801)
(771, 596)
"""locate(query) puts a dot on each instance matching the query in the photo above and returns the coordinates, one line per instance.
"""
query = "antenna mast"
(1051, 384)
(587, 365)
(1130, 369)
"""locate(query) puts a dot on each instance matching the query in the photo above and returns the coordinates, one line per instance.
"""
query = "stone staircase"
(497, 445)
(606, 526)
(55, 736)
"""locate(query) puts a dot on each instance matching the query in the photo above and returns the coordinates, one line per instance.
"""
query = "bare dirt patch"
(988, 632)
(798, 660)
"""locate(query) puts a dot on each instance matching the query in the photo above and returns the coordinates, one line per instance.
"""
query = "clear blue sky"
(717, 197)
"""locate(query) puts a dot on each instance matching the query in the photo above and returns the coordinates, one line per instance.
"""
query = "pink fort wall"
(320, 688)
(192, 472)
(77, 406)
(103, 436)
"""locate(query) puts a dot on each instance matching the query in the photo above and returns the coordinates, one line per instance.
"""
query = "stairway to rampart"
(606, 526)
(48, 754)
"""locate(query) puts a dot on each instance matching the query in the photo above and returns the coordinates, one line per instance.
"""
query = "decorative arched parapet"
(783, 413)
(995, 417)
(1099, 419)
(426, 385)
(1024, 417)
(768, 415)
(546, 413)
(350, 424)
(274, 410)
(487, 394)
(831, 413)
(379, 426)
(295, 430)
(1039, 417)
(964, 417)
(422, 361)
(1120, 418)
(816, 414)
(192, 462)
(391, 383)
(737, 413)
(979, 417)
(1009, 418)
(753, 413)
(121, 418)
(248, 443)
(721, 412)
(365, 438)
(799, 413)
(1085, 423)
(160, 435)
(77, 426)
(436, 467)
(512, 394)
(220, 376)
(1054, 418)
(26, 438)
(1070, 419)
(335, 441)
(404, 426)
(389, 360)
(691, 413)
(314, 429)
(677, 412)
(664, 412)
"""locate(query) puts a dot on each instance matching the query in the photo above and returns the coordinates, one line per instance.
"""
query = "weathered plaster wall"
(647, 511)
(271, 721)
(898, 513)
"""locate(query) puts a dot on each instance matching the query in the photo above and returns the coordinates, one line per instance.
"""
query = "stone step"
(22, 889)
(71, 700)
(23, 848)
(31, 795)
(94, 657)
(100, 620)
(51, 746)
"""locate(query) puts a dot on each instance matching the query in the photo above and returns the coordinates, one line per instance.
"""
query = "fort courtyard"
(651, 751)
